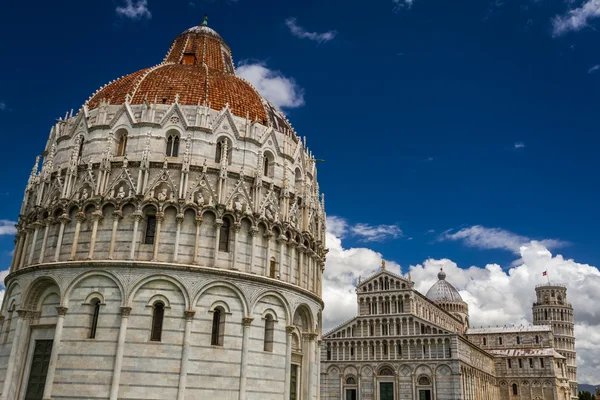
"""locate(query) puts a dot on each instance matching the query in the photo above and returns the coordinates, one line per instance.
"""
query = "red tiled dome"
(199, 68)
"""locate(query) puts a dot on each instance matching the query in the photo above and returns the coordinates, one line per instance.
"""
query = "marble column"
(48, 223)
(185, 354)
(96, 217)
(62, 312)
(281, 242)
(24, 248)
(36, 229)
(117, 215)
(311, 362)
(19, 245)
(197, 240)
(17, 352)
(253, 232)
(179, 221)
(246, 323)
(267, 237)
(137, 216)
(80, 217)
(218, 224)
(64, 219)
(160, 217)
(236, 230)
(288, 360)
(301, 250)
(114, 390)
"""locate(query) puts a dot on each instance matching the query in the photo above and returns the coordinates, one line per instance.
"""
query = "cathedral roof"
(509, 329)
(443, 290)
(197, 70)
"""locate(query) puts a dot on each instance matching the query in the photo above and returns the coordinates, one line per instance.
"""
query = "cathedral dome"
(197, 70)
(443, 290)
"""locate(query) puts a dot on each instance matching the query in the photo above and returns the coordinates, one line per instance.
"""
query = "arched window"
(157, 321)
(351, 381)
(537, 339)
(424, 381)
(218, 327)
(219, 152)
(150, 229)
(545, 314)
(500, 340)
(173, 145)
(484, 341)
(518, 339)
(386, 372)
(268, 165)
(269, 329)
(94, 321)
(81, 142)
(515, 389)
(122, 144)
(224, 235)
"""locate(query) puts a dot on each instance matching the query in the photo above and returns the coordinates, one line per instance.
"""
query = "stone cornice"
(163, 267)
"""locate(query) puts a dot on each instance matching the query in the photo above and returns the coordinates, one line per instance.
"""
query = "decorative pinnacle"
(205, 20)
(382, 264)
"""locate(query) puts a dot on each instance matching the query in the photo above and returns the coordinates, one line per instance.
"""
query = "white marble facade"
(117, 222)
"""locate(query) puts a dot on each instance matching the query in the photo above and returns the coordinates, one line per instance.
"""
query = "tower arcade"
(551, 308)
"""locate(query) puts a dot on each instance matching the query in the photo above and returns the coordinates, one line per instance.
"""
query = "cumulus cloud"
(7, 227)
(280, 90)
(137, 9)
(494, 238)
(594, 69)
(519, 145)
(496, 296)
(302, 33)
(363, 232)
(576, 18)
(400, 4)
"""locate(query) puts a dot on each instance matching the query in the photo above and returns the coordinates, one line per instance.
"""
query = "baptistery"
(170, 246)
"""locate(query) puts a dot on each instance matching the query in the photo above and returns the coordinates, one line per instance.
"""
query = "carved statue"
(238, 205)
(200, 199)
(162, 196)
(121, 193)
(84, 194)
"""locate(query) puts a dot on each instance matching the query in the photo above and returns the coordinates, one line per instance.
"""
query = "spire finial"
(441, 274)
(205, 20)
(382, 264)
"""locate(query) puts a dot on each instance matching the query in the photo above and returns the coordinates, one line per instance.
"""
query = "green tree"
(584, 395)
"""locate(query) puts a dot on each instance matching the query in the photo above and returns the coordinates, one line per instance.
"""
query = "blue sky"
(453, 132)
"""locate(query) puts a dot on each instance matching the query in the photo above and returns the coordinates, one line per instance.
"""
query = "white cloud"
(2, 106)
(301, 33)
(494, 238)
(495, 296)
(363, 232)
(7, 227)
(134, 9)
(519, 145)
(576, 18)
(280, 90)
(400, 4)
(594, 69)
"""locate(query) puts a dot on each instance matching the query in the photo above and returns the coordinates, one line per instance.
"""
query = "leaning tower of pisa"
(551, 308)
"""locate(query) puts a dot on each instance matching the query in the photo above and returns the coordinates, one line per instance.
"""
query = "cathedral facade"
(170, 246)
(405, 345)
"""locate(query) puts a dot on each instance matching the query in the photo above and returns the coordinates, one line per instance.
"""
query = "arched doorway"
(385, 383)
(424, 388)
(350, 388)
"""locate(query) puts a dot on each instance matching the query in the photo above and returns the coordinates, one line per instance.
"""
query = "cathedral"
(405, 345)
(170, 246)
